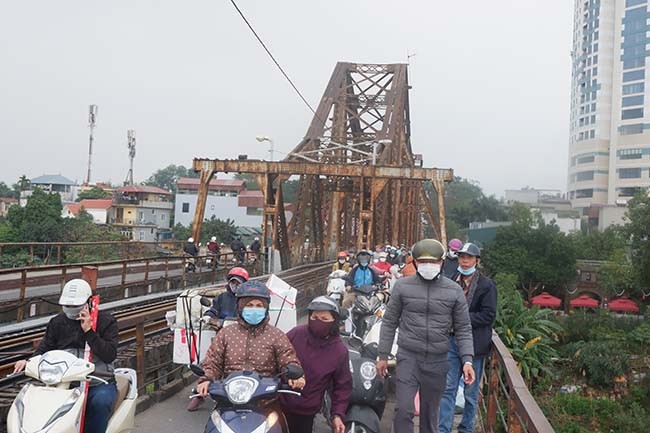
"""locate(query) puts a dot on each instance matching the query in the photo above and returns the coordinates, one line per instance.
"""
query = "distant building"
(481, 233)
(100, 209)
(54, 183)
(227, 199)
(5, 204)
(142, 213)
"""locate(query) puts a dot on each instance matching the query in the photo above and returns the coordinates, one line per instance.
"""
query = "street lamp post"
(262, 138)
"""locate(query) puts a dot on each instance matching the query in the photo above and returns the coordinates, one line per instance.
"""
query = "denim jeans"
(448, 403)
(99, 407)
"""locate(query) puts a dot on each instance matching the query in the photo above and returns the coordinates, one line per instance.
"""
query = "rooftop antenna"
(130, 134)
(92, 121)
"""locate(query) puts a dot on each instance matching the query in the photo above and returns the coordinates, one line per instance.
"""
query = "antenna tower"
(92, 121)
(130, 134)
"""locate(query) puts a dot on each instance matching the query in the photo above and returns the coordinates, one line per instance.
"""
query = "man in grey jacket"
(426, 307)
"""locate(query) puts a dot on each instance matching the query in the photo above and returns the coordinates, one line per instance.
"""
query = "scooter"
(240, 402)
(211, 260)
(56, 407)
(336, 285)
(369, 300)
(190, 263)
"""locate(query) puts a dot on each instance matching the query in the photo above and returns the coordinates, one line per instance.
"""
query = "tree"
(6, 191)
(224, 231)
(251, 182)
(537, 253)
(39, 220)
(166, 178)
(638, 230)
(94, 193)
(616, 274)
(599, 245)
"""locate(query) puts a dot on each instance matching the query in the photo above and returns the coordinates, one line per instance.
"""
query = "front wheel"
(355, 427)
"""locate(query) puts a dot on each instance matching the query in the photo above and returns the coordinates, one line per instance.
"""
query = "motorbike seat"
(123, 384)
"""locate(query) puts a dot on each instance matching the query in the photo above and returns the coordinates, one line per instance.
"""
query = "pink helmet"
(455, 244)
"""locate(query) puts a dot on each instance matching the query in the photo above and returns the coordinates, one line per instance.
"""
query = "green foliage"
(637, 229)
(167, 177)
(601, 361)
(94, 193)
(641, 335)
(6, 191)
(251, 182)
(39, 220)
(529, 333)
(599, 245)
(616, 274)
(289, 191)
(224, 230)
(537, 253)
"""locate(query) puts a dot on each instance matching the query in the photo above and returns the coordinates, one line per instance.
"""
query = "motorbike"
(240, 402)
(211, 260)
(369, 300)
(336, 285)
(57, 406)
(189, 263)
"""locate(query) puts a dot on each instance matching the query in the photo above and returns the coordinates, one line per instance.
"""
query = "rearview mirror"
(344, 314)
(205, 302)
(197, 370)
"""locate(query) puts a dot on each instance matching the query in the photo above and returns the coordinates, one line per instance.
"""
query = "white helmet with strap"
(75, 293)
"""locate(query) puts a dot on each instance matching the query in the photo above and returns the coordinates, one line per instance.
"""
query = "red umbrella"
(623, 304)
(545, 299)
(584, 301)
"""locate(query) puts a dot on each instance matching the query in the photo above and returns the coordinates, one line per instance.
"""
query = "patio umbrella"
(584, 301)
(545, 299)
(624, 305)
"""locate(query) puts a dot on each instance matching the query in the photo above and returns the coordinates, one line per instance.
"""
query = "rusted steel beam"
(201, 199)
(90, 274)
(290, 168)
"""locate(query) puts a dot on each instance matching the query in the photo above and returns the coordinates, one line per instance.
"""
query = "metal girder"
(358, 180)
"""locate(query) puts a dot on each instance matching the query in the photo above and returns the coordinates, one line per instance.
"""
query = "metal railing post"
(493, 391)
(21, 297)
(139, 352)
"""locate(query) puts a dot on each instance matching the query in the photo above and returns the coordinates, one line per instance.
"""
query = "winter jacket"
(238, 347)
(256, 247)
(341, 267)
(409, 269)
(482, 312)
(382, 267)
(425, 311)
(66, 334)
(450, 267)
(237, 245)
(326, 363)
(359, 276)
(224, 305)
(213, 247)
(191, 249)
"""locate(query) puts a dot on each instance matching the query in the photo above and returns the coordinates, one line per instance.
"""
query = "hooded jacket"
(262, 348)
(424, 311)
(326, 362)
(224, 305)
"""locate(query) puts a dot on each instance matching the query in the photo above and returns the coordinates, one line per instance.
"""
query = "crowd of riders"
(440, 310)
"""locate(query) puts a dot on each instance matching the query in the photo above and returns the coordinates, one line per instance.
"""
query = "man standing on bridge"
(425, 306)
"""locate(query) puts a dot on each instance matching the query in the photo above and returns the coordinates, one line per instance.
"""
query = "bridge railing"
(27, 279)
(507, 405)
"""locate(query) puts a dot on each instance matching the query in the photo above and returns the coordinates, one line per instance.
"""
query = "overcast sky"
(490, 96)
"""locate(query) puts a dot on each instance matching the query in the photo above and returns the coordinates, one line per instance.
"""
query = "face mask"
(363, 262)
(429, 271)
(253, 316)
(232, 287)
(72, 312)
(341, 261)
(382, 259)
(467, 272)
(320, 329)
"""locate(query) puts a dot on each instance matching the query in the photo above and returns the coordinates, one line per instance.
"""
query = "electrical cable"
(272, 58)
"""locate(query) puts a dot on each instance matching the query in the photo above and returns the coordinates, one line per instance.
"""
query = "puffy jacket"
(425, 311)
(66, 334)
(191, 249)
(224, 305)
(482, 312)
(359, 276)
(344, 267)
(262, 348)
(327, 364)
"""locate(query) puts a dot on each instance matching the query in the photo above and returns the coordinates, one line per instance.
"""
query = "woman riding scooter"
(326, 362)
(250, 345)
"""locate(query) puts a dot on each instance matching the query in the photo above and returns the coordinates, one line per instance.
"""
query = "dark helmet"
(253, 289)
(323, 303)
(428, 249)
(363, 253)
(470, 249)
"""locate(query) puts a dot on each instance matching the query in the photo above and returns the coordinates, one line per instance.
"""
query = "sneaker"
(195, 404)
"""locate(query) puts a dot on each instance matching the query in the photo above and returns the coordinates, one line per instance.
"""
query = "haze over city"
(490, 94)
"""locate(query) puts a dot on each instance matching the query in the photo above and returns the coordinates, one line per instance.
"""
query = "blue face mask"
(253, 316)
(467, 272)
(363, 263)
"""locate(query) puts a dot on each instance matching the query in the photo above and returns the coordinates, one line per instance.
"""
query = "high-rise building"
(609, 146)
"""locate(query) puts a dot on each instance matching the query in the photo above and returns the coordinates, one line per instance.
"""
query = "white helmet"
(75, 293)
(190, 240)
(213, 238)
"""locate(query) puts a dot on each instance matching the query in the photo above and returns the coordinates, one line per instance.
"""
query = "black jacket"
(450, 267)
(256, 246)
(237, 245)
(224, 305)
(191, 249)
(482, 312)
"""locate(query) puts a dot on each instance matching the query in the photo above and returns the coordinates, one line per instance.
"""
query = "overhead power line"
(271, 55)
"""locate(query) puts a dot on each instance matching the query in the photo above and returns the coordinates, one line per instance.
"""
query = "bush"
(602, 362)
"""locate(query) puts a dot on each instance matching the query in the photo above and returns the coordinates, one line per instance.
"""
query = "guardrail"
(506, 403)
(169, 266)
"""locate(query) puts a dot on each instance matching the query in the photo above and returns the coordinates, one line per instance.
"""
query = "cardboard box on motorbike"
(191, 338)
(282, 309)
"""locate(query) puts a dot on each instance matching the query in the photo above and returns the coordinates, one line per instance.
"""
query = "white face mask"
(382, 259)
(429, 271)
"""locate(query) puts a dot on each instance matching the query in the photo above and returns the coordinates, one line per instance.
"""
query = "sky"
(490, 81)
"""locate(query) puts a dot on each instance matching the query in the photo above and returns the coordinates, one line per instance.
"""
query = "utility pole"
(92, 121)
(130, 134)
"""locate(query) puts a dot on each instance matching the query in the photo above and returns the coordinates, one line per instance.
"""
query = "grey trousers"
(416, 372)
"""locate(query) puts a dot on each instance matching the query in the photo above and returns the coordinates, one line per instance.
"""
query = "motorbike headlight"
(368, 371)
(51, 374)
(268, 424)
(221, 426)
(241, 389)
